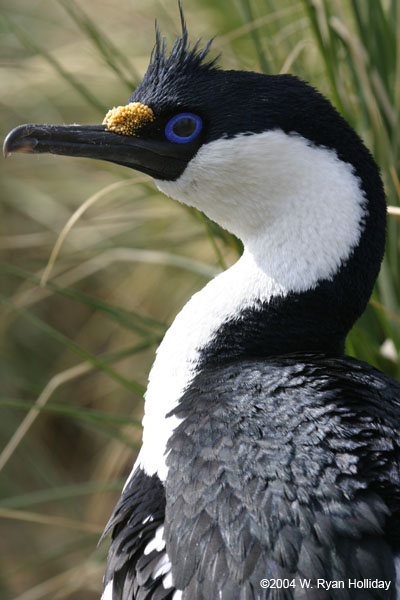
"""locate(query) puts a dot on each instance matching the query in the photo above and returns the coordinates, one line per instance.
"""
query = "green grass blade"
(65, 492)
(115, 59)
(255, 36)
(35, 48)
(132, 320)
(326, 53)
(131, 385)
(69, 411)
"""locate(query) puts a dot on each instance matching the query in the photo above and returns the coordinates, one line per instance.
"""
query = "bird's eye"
(183, 128)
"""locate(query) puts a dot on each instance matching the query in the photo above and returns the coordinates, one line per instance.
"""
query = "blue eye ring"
(177, 139)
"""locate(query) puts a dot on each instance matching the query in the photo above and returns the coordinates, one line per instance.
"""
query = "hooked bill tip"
(6, 147)
(16, 142)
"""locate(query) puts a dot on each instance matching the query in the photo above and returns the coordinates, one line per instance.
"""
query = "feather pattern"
(137, 562)
(284, 468)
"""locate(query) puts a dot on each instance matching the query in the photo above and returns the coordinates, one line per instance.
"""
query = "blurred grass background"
(76, 352)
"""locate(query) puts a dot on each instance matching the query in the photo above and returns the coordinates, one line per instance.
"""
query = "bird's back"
(282, 471)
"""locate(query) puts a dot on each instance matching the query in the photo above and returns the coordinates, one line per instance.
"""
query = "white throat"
(300, 212)
(296, 207)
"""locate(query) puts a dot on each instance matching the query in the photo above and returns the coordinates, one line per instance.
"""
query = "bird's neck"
(312, 252)
(301, 212)
(260, 307)
(243, 312)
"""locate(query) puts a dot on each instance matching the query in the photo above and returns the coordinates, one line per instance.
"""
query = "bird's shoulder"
(300, 383)
(283, 468)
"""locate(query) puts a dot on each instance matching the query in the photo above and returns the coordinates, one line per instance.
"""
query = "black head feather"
(168, 73)
(182, 56)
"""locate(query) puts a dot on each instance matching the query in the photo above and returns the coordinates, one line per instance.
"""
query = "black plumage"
(285, 462)
(286, 468)
(136, 517)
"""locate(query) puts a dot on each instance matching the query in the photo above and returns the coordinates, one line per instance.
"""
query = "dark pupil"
(184, 127)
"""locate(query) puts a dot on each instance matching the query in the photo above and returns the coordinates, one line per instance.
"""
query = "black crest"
(182, 55)
(184, 63)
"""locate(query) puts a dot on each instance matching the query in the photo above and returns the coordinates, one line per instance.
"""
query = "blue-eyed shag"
(270, 465)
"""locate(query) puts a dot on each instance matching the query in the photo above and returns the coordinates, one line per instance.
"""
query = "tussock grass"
(117, 261)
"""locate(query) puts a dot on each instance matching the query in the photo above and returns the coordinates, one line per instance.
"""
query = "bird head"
(265, 156)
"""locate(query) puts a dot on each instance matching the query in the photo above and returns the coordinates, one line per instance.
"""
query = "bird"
(270, 463)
